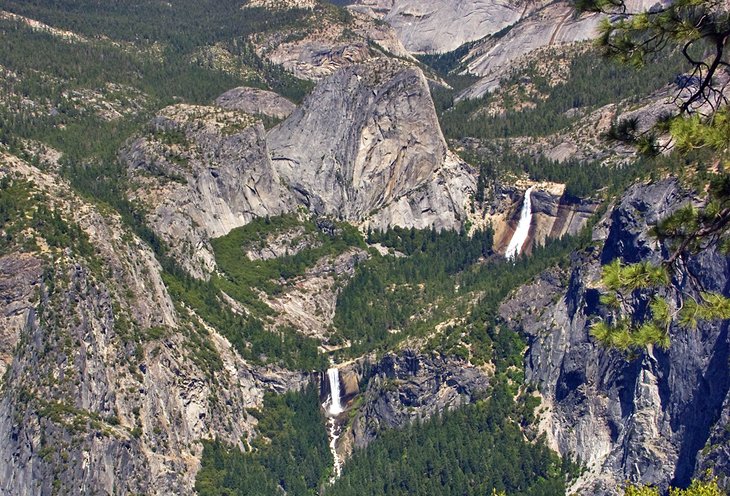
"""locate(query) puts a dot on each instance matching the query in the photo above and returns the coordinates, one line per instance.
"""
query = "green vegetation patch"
(592, 83)
(244, 279)
(245, 332)
(25, 218)
(377, 305)
(391, 298)
(321, 238)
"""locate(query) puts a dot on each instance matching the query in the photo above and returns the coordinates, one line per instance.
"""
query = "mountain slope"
(206, 205)
(445, 25)
(105, 369)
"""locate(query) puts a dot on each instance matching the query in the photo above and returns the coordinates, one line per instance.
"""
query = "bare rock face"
(656, 418)
(554, 214)
(440, 203)
(550, 24)
(444, 25)
(20, 276)
(309, 303)
(367, 144)
(553, 24)
(201, 172)
(256, 101)
(715, 455)
(364, 147)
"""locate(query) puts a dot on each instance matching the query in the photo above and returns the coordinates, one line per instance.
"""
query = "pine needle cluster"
(627, 284)
(624, 283)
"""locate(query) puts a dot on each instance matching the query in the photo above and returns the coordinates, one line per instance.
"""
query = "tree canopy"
(700, 29)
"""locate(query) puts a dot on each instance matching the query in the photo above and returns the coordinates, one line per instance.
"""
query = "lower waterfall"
(523, 228)
(334, 409)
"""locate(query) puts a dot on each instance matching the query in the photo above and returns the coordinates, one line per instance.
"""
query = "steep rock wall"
(201, 172)
(644, 418)
(548, 24)
(554, 214)
(401, 388)
(444, 25)
(367, 143)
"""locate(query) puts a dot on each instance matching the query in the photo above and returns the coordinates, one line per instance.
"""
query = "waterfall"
(335, 407)
(523, 228)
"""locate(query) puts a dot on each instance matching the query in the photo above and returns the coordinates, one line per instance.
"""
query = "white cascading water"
(523, 228)
(334, 409)
(334, 376)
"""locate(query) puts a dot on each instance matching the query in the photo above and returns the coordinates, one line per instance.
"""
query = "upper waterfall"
(334, 378)
(523, 228)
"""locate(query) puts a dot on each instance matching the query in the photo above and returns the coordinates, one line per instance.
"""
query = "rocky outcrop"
(201, 172)
(715, 454)
(408, 386)
(444, 25)
(652, 418)
(549, 24)
(364, 147)
(585, 139)
(326, 43)
(285, 243)
(256, 102)
(552, 24)
(308, 303)
(441, 202)
(367, 144)
(20, 277)
(554, 216)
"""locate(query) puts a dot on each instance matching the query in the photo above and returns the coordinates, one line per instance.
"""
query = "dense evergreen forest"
(592, 82)
(474, 450)
(393, 297)
(291, 452)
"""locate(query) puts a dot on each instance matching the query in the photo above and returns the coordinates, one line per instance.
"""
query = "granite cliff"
(444, 25)
(366, 146)
(111, 379)
(653, 418)
(200, 172)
